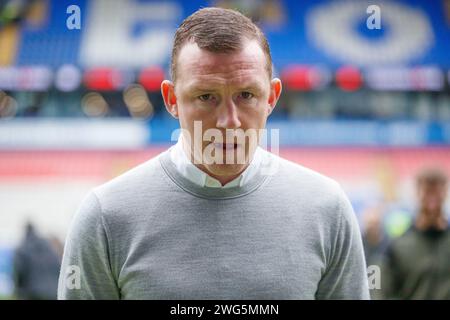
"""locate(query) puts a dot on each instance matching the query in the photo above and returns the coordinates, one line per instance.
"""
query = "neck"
(373, 237)
(252, 183)
(427, 220)
(222, 179)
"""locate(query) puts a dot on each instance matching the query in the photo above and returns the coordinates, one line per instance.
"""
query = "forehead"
(240, 66)
(432, 186)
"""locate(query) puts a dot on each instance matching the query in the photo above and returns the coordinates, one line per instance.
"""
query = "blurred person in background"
(417, 264)
(36, 267)
(13, 11)
(375, 240)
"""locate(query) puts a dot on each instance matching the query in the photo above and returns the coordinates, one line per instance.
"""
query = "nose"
(228, 117)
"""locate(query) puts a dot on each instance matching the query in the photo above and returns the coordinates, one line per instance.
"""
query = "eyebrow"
(199, 86)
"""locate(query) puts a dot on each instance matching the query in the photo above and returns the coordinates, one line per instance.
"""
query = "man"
(181, 226)
(375, 241)
(36, 267)
(417, 265)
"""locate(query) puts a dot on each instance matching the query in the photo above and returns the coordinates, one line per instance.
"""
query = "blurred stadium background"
(78, 107)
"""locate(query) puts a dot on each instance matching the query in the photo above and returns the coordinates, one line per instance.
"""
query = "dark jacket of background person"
(417, 266)
(36, 268)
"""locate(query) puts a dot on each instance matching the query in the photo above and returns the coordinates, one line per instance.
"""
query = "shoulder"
(320, 192)
(140, 181)
(299, 174)
(124, 195)
(404, 243)
(121, 199)
(303, 180)
(136, 176)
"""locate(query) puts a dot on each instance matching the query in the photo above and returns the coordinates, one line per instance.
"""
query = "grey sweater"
(153, 234)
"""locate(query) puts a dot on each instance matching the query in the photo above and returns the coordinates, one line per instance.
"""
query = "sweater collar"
(249, 180)
(187, 169)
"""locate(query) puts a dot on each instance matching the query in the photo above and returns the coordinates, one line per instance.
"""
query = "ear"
(170, 100)
(275, 92)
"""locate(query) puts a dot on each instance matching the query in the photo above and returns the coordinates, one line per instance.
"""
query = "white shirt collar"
(187, 169)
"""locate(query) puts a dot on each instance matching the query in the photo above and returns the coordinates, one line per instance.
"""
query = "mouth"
(226, 146)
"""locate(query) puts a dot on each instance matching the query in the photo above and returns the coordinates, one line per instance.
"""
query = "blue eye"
(246, 95)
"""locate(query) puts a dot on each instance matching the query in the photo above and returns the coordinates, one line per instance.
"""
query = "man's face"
(224, 91)
(432, 197)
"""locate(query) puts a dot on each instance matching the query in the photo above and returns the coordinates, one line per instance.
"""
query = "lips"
(226, 146)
